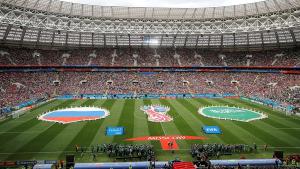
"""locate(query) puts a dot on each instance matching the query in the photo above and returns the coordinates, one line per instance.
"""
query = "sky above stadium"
(164, 3)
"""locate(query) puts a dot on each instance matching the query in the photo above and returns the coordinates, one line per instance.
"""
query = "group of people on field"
(216, 150)
(142, 151)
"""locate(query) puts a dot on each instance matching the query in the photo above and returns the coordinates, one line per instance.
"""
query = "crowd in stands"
(17, 87)
(148, 57)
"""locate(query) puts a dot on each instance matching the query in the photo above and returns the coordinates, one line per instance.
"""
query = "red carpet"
(165, 145)
(183, 165)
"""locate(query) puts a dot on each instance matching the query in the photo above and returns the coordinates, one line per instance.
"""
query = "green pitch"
(27, 138)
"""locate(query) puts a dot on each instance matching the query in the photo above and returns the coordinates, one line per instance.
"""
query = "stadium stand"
(146, 57)
(19, 87)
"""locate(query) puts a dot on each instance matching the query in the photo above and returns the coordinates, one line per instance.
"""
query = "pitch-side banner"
(113, 131)
(212, 130)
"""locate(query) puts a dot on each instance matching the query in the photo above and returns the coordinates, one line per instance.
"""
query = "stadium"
(116, 86)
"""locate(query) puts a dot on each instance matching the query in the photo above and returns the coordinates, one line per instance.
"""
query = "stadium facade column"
(222, 37)
(80, 34)
(53, 36)
(293, 37)
(23, 33)
(38, 37)
(93, 39)
(277, 39)
(129, 40)
(186, 38)
(197, 39)
(104, 39)
(7, 32)
(174, 40)
(67, 34)
(208, 42)
(234, 41)
(116, 38)
(161, 39)
(67, 38)
(248, 41)
(262, 40)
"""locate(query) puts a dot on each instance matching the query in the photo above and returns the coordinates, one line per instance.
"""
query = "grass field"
(27, 138)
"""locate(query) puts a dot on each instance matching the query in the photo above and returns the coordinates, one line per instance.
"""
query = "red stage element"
(183, 165)
(167, 142)
(169, 145)
(71, 119)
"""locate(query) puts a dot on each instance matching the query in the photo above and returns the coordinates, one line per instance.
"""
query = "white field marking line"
(140, 117)
(1, 132)
(295, 128)
(47, 152)
(19, 121)
(40, 131)
(162, 128)
(29, 117)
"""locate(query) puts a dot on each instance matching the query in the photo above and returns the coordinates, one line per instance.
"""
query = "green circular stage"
(231, 113)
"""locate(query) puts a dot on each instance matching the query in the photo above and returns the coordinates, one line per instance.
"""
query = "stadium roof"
(59, 23)
(76, 9)
(164, 3)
